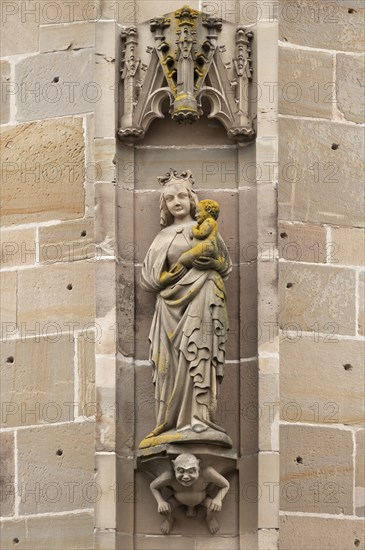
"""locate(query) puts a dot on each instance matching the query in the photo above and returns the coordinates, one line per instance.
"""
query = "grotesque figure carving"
(189, 483)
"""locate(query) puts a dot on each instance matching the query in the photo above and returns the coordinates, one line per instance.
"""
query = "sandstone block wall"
(57, 247)
(321, 244)
(69, 265)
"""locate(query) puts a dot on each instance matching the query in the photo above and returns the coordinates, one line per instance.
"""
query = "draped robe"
(188, 333)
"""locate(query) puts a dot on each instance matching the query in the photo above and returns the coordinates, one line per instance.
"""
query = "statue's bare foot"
(191, 512)
(166, 526)
(213, 524)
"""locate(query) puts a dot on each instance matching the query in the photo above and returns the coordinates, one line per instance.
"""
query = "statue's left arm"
(212, 476)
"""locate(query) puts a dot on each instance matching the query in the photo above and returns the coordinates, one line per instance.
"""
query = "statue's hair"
(166, 217)
(210, 206)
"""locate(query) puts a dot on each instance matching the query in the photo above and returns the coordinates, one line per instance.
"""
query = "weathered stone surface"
(320, 163)
(44, 163)
(360, 473)
(105, 478)
(7, 488)
(14, 16)
(69, 532)
(106, 409)
(268, 539)
(56, 84)
(316, 469)
(350, 86)
(128, 327)
(105, 218)
(86, 374)
(67, 36)
(5, 92)
(37, 380)
(317, 299)
(324, 25)
(247, 330)
(269, 418)
(8, 283)
(105, 284)
(104, 540)
(248, 412)
(126, 398)
(305, 83)
(321, 380)
(105, 159)
(232, 285)
(61, 11)
(203, 132)
(105, 77)
(211, 167)
(18, 247)
(268, 515)
(56, 297)
(303, 242)
(67, 242)
(303, 532)
(361, 312)
(247, 249)
(54, 462)
(348, 246)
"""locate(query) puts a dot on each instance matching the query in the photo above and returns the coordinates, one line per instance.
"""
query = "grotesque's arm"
(161, 481)
(212, 476)
(204, 229)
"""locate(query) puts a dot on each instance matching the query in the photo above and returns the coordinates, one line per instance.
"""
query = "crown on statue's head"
(171, 177)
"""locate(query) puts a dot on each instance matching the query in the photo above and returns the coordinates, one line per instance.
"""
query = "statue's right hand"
(164, 508)
(175, 274)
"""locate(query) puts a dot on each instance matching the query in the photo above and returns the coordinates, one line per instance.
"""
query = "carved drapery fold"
(183, 57)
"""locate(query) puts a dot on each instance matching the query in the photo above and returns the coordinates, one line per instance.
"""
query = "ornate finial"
(171, 176)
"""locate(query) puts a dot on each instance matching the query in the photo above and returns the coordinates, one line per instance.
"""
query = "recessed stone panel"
(211, 167)
(43, 171)
(350, 91)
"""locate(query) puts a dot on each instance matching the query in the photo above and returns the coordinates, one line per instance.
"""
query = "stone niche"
(216, 142)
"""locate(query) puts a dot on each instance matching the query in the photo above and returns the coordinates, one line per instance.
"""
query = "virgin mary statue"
(189, 328)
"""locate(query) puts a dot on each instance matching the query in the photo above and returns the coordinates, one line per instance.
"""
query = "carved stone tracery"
(184, 61)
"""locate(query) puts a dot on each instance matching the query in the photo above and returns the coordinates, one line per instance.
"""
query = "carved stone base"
(209, 436)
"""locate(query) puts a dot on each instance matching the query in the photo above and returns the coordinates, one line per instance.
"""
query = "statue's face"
(186, 471)
(201, 213)
(177, 200)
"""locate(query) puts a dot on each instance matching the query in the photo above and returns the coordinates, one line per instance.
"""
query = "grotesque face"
(177, 201)
(186, 468)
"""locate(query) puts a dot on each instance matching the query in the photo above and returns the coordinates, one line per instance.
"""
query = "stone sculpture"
(190, 485)
(190, 324)
(186, 55)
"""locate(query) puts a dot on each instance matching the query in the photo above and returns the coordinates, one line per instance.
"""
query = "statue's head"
(186, 468)
(174, 185)
(205, 209)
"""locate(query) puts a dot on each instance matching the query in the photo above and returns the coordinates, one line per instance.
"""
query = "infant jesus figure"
(206, 230)
(190, 485)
